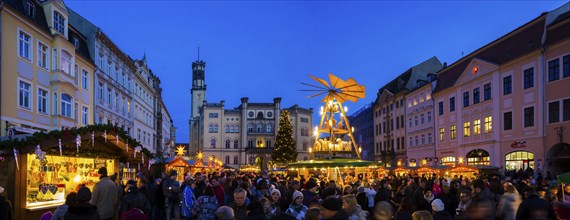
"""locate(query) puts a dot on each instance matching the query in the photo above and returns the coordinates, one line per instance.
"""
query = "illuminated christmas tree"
(285, 150)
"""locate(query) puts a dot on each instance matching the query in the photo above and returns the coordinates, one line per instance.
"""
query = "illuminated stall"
(44, 167)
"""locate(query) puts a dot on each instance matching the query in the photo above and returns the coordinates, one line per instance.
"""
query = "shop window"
(43, 189)
(518, 160)
(478, 157)
(448, 161)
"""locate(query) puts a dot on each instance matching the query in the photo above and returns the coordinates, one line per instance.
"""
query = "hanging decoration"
(142, 158)
(105, 135)
(150, 163)
(92, 138)
(16, 159)
(117, 141)
(137, 150)
(127, 144)
(60, 150)
(139, 166)
(77, 142)
(40, 155)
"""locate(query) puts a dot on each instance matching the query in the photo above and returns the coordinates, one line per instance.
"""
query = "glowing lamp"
(345, 109)
(77, 178)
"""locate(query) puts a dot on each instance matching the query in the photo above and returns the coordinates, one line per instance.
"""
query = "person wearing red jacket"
(218, 190)
(436, 188)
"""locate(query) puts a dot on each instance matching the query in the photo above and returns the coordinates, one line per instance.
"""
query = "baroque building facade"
(363, 123)
(504, 104)
(47, 74)
(390, 113)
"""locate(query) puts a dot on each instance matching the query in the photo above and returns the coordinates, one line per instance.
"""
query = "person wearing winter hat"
(105, 195)
(439, 212)
(297, 209)
(332, 209)
(82, 209)
(274, 205)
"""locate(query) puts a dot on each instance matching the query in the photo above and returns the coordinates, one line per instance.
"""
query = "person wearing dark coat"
(5, 207)
(405, 210)
(449, 199)
(134, 199)
(332, 210)
(361, 198)
(425, 202)
(533, 207)
(83, 210)
(439, 212)
(383, 193)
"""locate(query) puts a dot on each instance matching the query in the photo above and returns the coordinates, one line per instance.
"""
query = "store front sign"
(518, 144)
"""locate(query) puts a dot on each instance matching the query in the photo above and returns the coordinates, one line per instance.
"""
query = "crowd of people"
(230, 195)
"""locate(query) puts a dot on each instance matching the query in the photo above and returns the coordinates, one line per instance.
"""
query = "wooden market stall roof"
(100, 140)
(182, 161)
(335, 162)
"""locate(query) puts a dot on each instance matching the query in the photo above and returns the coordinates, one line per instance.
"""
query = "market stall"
(427, 171)
(45, 167)
(462, 170)
(336, 169)
(400, 171)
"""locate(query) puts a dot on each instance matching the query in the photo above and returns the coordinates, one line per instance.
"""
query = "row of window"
(554, 113)
(260, 127)
(67, 108)
(145, 137)
(423, 140)
(488, 128)
(554, 68)
(419, 99)
(389, 144)
(232, 128)
(114, 99)
(388, 108)
(388, 126)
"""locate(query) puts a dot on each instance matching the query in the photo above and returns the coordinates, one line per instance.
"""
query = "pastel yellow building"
(47, 75)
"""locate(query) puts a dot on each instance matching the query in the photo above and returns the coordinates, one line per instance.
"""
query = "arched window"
(211, 128)
(65, 62)
(250, 143)
(213, 143)
(250, 127)
(517, 160)
(228, 142)
(304, 145)
(227, 159)
(236, 129)
(66, 101)
(268, 143)
(269, 128)
(260, 115)
(478, 157)
(448, 161)
(215, 128)
(227, 129)
(231, 129)
(235, 159)
(259, 127)
(236, 144)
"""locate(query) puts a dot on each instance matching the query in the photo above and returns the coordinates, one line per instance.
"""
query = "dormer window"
(59, 22)
(76, 42)
(30, 12)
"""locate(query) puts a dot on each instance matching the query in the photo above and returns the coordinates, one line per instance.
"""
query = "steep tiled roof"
(396, 85)
(520, 41)
(39, 15)
(82, 50)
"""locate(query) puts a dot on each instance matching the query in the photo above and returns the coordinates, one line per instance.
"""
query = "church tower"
(198, 91)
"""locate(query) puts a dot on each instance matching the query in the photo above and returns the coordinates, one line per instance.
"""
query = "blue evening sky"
(265, 49)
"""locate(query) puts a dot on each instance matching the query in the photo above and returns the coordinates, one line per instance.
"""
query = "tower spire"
(198, 51)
